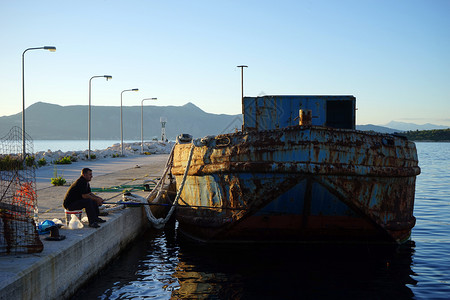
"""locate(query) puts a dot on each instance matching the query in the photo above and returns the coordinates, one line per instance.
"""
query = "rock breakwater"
(129, 149)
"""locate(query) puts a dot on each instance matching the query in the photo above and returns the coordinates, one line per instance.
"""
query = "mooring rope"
(159, 223)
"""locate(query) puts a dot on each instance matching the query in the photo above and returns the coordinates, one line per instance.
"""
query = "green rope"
(119, 188)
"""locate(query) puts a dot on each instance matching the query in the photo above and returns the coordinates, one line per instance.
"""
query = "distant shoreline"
(430, 141)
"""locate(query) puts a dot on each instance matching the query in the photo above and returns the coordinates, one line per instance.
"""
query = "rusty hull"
(300, 183)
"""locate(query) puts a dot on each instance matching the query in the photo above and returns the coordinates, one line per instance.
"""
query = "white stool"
(69, 213)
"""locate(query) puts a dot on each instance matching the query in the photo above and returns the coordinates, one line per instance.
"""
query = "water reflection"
(293, 272)
(163, 266)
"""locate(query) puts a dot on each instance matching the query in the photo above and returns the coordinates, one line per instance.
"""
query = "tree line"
(436, 135)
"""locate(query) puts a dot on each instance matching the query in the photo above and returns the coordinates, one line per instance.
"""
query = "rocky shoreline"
(129, 149)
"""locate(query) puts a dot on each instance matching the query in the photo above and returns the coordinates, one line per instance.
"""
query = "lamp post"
(49, 48)
(89, 114)
(121, 119)
(142, 122)
(242, 88)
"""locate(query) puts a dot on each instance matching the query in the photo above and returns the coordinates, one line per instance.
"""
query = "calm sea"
(73, 145)
(160, 265)
(63, 145)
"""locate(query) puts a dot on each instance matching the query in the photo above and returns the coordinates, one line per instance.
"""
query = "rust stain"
(372, 173)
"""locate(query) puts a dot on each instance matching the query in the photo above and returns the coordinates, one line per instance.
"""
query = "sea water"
(64, 145)
(73, 145)
(160, 265)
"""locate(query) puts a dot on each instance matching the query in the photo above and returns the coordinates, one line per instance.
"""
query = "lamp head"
(50, 48)
(108, 77)
(135, 90)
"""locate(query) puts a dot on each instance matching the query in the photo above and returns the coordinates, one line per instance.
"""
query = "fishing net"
(18, 199)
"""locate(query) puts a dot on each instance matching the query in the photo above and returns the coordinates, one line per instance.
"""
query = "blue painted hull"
(298, 172)
(300, 184)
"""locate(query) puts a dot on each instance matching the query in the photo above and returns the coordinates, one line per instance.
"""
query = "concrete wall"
(64, 266)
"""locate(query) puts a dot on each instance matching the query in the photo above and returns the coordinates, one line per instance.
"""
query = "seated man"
(79, 196)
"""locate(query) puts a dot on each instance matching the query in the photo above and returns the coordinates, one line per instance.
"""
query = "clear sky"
(394, 56)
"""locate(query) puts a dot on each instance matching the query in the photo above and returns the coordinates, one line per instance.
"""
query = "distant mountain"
(402, 126)
(46, 121)
(50, 121)
(376, 128)
(395, 126)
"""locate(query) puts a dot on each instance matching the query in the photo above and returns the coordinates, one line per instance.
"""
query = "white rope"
(159, 223)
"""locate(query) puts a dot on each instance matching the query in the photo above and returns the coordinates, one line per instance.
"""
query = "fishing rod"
(139, 204)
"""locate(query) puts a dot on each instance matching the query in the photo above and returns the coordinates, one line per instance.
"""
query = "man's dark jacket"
(78, 188)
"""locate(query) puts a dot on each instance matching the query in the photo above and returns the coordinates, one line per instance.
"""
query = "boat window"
(340, 114)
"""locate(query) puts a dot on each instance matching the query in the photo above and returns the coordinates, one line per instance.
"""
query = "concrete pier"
(64, 266)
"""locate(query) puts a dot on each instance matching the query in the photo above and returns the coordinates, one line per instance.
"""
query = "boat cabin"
(274, 112)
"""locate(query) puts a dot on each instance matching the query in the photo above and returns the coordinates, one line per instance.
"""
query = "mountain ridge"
(53, 121)
(404, 126)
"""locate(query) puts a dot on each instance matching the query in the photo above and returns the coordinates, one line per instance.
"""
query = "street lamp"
(142, 122)
(49, 48)
(121, 120)
(89, 114)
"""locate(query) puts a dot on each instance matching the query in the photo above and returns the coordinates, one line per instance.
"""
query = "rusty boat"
(297, 172)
